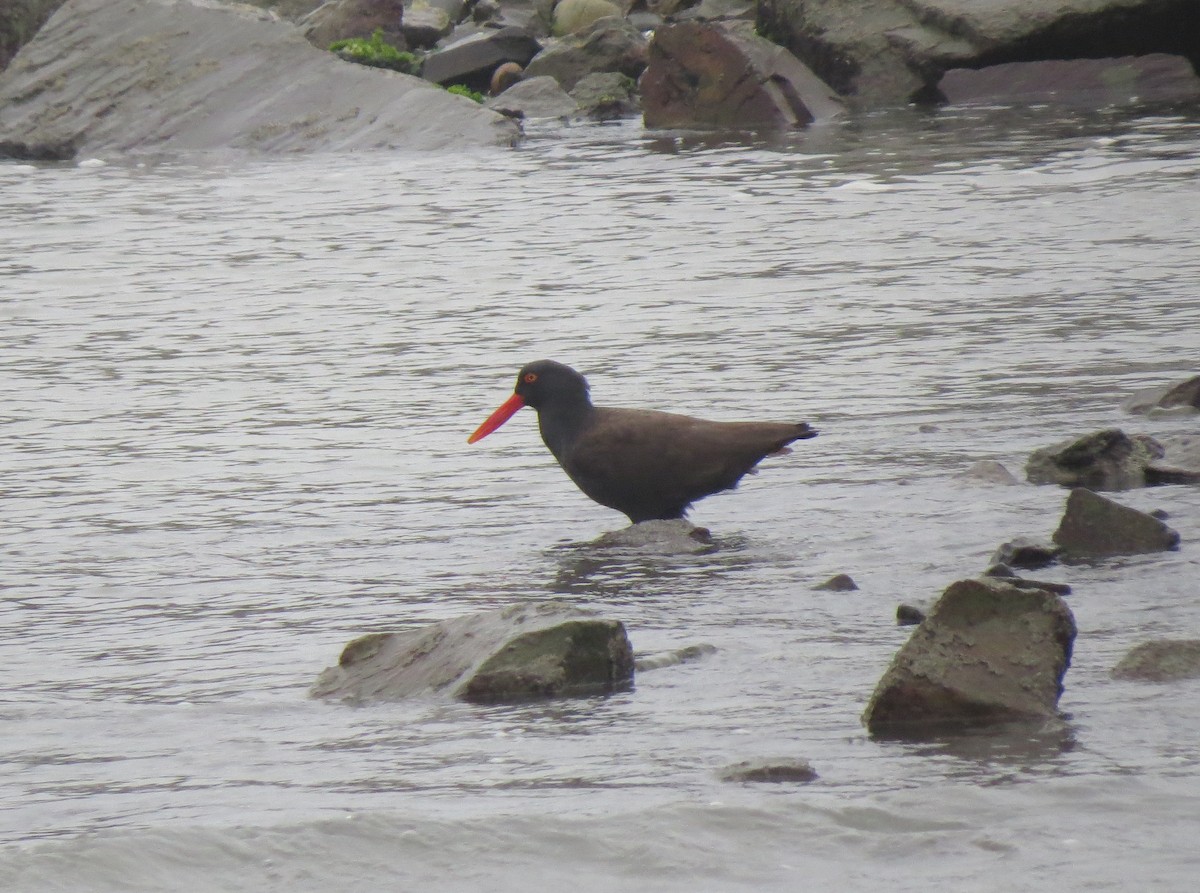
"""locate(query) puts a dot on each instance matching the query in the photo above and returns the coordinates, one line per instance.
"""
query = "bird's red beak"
(506, 411)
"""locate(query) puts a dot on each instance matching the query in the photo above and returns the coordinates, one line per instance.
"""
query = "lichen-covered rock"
(521, 652)
(1163, 660)
(987, 652)
(576, 16)
(1103, 460)
(724, 76)
(1094, 526)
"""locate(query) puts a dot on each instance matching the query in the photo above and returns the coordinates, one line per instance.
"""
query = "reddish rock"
(723, 75)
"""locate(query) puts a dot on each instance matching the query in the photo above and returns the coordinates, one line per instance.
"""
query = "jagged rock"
(606, 95)
(1094, 82)
(1096, 527)
(1179, 398)
(1164, 660)
(471, 62)
(1180, 463)
(576, 16)
(1103, 460)
(524, 651)
(341, 19)
(424, 25)
(988, 652)
(838, 583)
(989, 471)
(685, 655)
(774, 771)
(890, 52)
(609, 45)
(535, 98)
(1026, 553)
(723, 75)
(103, 77)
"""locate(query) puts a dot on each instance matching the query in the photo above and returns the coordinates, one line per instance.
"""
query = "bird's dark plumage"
(647, 464)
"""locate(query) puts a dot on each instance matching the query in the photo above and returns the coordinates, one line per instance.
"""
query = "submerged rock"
(909, 615)
(1093, 526)
(1163, 660)
(1025, 553)
(773, 771)
(987, 653)
(524, 651)
(1103, 460)
(1179, 398)
(1180, 463)
(838, 583)
(667, 537)
(684, 655)
(176, 76)
(989, 471)
(725, 76)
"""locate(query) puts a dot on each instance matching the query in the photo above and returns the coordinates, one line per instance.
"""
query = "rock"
(425, 25)
(610, 45)
(775, 771)
(718, 11)
(1094, 82)
(576, 16)
(1096, 527)
(838, 583)
(676, 537)
(471, 62)
(1179, 398)
(606, 96)
(341, 19)
(909, 615)
(1026, 553)
(1180, 463)
(987, 653)
(988, 471)
(891, 52)
(1103, 460)
(685, 655)
(1164, 660)
(535, 98)
(724, 76)
(524, 651)
(19, 21)
(104, 77)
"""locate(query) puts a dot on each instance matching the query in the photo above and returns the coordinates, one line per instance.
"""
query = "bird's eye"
(530, 377)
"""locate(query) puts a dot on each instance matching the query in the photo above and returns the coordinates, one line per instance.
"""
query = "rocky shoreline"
(88, 76)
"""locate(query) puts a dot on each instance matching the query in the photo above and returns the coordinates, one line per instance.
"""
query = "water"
(234, 398)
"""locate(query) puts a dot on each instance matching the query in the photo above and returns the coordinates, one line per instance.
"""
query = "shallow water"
(234, 397)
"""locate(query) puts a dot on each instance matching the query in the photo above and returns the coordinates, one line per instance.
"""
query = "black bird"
(648, 464)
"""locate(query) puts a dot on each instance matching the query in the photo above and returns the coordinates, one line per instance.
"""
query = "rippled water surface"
(234, 397)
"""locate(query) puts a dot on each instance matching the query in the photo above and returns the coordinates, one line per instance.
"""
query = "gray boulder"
(890, 52)
(1093, 526)
(341, 19)
(987, 652)
(472, 62)
(103, 77)
(1088, 82)
(606, 95)
(609, 45)
(521, 652)
(1103, 460)
(724, 76)
(535, 98)
(1163, 660)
